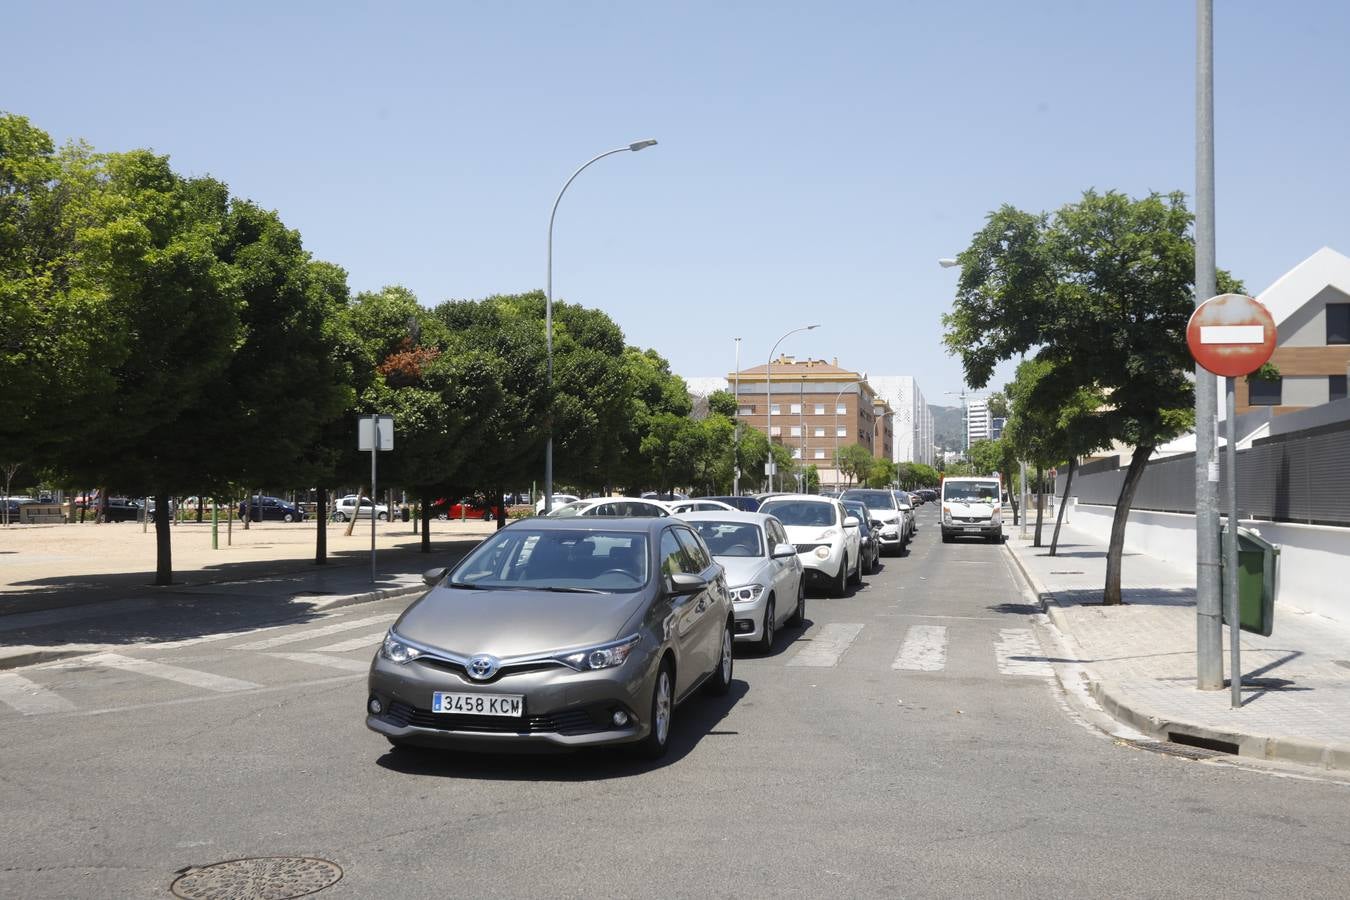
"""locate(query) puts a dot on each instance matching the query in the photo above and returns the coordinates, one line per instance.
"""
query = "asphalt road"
(910, 742)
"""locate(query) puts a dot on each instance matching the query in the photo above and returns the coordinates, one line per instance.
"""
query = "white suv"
(346, 508)
(825, 535)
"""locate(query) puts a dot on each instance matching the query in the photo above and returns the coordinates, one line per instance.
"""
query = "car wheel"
(383, 517)
(840, 584)
(487, 515)
(767, 633)
(339, 517)
(855, 577)
(720, 682)
(288, 518)
(799, 614)
(662, 713)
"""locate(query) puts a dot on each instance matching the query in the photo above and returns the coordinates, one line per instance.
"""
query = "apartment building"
(978, 421)
(912, 419)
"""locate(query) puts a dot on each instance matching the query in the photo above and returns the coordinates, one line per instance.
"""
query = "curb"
(1163, 728)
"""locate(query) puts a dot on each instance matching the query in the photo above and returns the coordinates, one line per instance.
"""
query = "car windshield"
(539, 559)
(731, 538)
(971, 491)
(800, 512)
(873, 499)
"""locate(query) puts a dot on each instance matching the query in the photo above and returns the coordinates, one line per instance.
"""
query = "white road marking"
(824, 649)
(360, 643)
(924, 649)
(332, 662)
(30, 698)
(1016, 643)
(191, 677)
(1232, 334)
(306, 634)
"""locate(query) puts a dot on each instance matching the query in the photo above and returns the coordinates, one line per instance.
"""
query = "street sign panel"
(365, 432)
(1231, 335)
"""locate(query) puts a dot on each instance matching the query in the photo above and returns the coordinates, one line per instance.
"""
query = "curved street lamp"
(768, 394)
(548, 311)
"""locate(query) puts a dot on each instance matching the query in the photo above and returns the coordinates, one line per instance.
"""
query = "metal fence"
(1298, 477)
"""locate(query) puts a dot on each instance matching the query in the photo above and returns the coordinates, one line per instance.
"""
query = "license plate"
(969, 528)
(478, 704)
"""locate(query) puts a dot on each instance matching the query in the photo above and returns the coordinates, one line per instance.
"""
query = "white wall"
(1314, 559)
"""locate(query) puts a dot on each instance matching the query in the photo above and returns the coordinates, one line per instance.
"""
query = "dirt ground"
(32, 555)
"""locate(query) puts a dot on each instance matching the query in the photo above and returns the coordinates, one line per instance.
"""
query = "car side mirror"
(851, 522)
(876, 523)
(682, 583)
(783, 551)
(433, 576)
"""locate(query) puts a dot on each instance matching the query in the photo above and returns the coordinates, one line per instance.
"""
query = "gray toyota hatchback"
(557, 632)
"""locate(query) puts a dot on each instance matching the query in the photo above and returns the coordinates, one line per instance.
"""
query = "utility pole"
(1208, 609)
(736, 456)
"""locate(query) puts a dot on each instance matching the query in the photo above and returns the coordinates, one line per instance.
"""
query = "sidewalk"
(1139, 660)
(67, 590)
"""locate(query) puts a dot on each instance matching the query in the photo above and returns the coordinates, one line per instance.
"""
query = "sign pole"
(374, 452)
(1230, 551)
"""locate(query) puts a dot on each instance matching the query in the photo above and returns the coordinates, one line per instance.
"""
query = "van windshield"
(971, 491)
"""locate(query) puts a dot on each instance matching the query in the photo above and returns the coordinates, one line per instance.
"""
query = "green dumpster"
(1257, 559)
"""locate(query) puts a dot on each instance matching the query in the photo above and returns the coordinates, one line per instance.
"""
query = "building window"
(841, 431)
(1263, 393)
(1338, 323)
(745, 411)
(1336, 387)
(841, 410)
(820, 409)
(819, 432)
(796, 431)
(776, 431)
(796, 452)
(773, 408)
(795, 409)
(820, 454)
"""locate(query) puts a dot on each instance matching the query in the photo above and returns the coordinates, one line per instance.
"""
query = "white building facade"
(913, 420)
(977, 420)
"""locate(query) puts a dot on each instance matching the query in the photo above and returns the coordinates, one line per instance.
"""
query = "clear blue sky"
(815, 159)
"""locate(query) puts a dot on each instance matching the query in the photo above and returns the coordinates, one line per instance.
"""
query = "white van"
(972, 506)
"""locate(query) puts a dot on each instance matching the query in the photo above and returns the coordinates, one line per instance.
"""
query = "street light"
(837, 473)
(948, 263)
(548, 311)
(768, 393)
(736, 456)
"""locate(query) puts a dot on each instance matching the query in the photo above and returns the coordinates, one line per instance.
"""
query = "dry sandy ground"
(34, 555)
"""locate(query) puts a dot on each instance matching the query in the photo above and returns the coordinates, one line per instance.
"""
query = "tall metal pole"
(1209, 621)
(768, 394)
(374, 452)
(736, 456)
(801, 426)
(1230, 551)
(548, 314)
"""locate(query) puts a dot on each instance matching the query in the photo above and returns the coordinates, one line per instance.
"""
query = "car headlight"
(947, 515)
(395, 650)
(605, 656)
(822, 553)
(996, 516)
(746, 592)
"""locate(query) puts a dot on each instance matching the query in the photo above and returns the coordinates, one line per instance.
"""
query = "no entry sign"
(1231, 335)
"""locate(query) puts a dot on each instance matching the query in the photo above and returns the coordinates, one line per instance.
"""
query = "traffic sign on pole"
(1231, 335)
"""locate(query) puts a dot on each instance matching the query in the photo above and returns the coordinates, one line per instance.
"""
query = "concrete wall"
(1314, 567)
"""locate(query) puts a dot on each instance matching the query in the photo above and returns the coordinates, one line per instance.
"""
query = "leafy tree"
(911, 475)
(1101, 290)
(722, 403)
(882, 474)
(855, 461)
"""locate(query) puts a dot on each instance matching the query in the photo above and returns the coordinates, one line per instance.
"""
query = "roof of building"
(1325, 268)
(789, 368)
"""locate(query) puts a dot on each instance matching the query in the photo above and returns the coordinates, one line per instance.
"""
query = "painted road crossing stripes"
(30, 698)
(369, 640)
(306, 634)
(924, 649)
(1018, 653)
(332, 662)
(827, 646)
(191, 677)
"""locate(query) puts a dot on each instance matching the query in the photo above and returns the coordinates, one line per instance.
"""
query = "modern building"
(913, 420)
(978, 424)
(883, 435)
(817, 407)
(1311, 307)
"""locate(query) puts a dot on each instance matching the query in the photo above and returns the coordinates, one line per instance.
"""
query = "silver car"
(558, 632)
(763, 572)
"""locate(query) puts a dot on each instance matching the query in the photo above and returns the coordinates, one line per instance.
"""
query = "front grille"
(446, 665)
(971, 520)
(576, 721)
(807, 548)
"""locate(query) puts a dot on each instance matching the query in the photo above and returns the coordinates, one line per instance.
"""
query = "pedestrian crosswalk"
(308, 652)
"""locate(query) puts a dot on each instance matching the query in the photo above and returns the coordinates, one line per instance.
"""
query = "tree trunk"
(201, 507)
(1040, 504)
(1116, 549)
(424, 513)
(102, 506)
(321, 525)
(1064, 501)
(500, 503)
(163, 544)
(356, 514)
(248, 509)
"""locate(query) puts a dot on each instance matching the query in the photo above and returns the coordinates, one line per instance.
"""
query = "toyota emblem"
(482, 667)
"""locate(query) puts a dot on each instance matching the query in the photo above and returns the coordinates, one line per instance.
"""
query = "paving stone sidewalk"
(1140, 658)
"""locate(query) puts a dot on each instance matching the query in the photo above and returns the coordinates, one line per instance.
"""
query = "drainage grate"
(272, 877)
(1212, 744)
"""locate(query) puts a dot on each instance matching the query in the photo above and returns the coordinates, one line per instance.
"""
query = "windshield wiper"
(468, 586)
(570, 590)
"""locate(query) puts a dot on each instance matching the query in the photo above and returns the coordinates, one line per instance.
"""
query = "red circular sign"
(1231, 335)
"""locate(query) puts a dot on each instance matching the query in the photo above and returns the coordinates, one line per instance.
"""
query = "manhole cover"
(259, 878)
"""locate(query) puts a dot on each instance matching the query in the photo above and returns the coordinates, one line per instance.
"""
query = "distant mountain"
(949, 427)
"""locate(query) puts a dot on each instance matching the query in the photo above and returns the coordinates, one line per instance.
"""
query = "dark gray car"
(561, 632)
